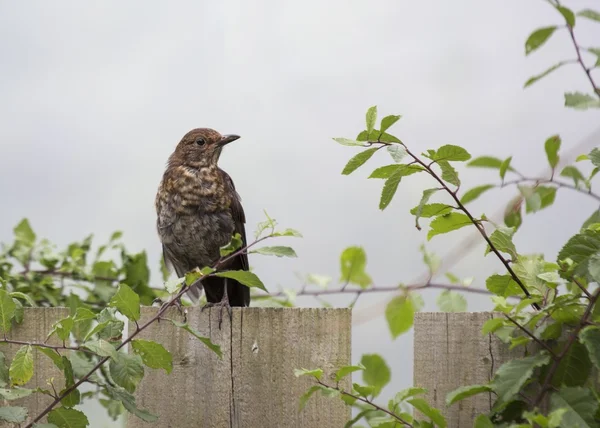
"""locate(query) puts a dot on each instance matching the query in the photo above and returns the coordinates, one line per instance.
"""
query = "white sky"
(96, 95)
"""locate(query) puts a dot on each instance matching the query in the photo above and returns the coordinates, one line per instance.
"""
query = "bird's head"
(200, 147)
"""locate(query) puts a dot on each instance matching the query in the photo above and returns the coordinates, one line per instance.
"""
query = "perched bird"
(198, 212)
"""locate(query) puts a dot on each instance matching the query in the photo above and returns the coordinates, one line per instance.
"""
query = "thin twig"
(550, 181)
(44, 345)
(528, 333)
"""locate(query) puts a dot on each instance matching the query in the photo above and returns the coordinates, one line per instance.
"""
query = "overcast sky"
(95, 96)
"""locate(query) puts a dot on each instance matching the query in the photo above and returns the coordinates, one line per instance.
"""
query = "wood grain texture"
(37, 323)
(449, 352)
(254, 384)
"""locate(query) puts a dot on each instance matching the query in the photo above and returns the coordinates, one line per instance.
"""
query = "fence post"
(449, 352)
(254, 384)
(37, 323)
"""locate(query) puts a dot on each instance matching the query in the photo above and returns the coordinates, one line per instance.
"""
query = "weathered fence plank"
(36, 325)
(254, 384)
(449, 352)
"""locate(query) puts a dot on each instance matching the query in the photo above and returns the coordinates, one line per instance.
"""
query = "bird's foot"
(223, 304)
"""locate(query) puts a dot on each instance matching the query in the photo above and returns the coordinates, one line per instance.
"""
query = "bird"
(198, 212)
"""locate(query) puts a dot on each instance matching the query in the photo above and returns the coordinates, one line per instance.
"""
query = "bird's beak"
(226, 139)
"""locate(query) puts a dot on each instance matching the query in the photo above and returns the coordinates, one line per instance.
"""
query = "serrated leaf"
(590, 14)
(349, 142)
(543, 74)
(388, 170)
(449, 174)
(316, 373)
(512, 375)
(552, 146)
(128, 401)
(580, 101)
(590, 337)
(62, 328)
(483, 421)
(21, 367)
(306, 396)
(23, 296)
(390, 187)
(127, 370)
(376, 373)
(362, 390)
(153, 354)
(13, 415)
(574, 368)
(68, 418)
(399, 314)
(278, 251)
(353, 262)
(346, 370)
(127, 302)
(431, 210)
(371, 118)
(503, 243)
(7, 311)
(53, 355)
(15, 393)
(447, 223)
(450, 152)
(215, 348)
(579, 249)
(567, 14)
(388, 121)
(433, 414)
(420, 208)
(504, 167)
(466, 392)
(451, 301)
(246, 278)
(475, 192)
(491, 325)
(594, 157)
(397, 152)
(538, 38)
(287, 232)
(581, 406)
(358, 160)
(234, 244)
(487, 162)
(101, 347)
(574, 173)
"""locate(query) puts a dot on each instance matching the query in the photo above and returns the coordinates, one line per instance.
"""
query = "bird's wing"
(239, 218)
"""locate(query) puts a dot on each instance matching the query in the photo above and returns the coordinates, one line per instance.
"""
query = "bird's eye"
(200, 141)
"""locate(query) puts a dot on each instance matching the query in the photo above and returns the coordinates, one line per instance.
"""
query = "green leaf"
(574, 368)
(358, 160)
(447, 223)
(466, 392)
(4, 377)
(388, 121)
(579, 249)
(353, 262)
(349, 142)
(316, 373)
(397, 152)
(543, 74)
(567, 14)
(371, 118)
(388, 170)
(376, 373)
(174, 285)
(432, 210)
(450, 152)
(215, 348)
(62, 328)
(503, 285)
(101, 347)
(288, 232)
(419, 209)
(153, 354)
(346, 370)
(407, 393)
(503, 243)
(512, 375)
(23, 296)
(432, 261)
(574, 173)
(451, 301)
(449, 174)
(590, 14)
(581, 406)
(68, 418)
(552, 146)
(53, 355)
(7, 311)
(433, 414)
(21, 368)
(538, 38)
(24, 233)
(246, 278)
(363, 391)
(483, 421)
(399, 314)
(487, 162)
(580, 101)
(306, 396)
(595, 157)
(127, 370)
(390, 187)
(590, 337)
(276, 251)
(505, 167)
(475, 192)
(491, 325)
(127, 302)
(128, 401)
(13, 415)
(527, 268)
(234, 244)
(15, 393)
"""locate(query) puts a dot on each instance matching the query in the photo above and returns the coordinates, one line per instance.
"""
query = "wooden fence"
(253, 385)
